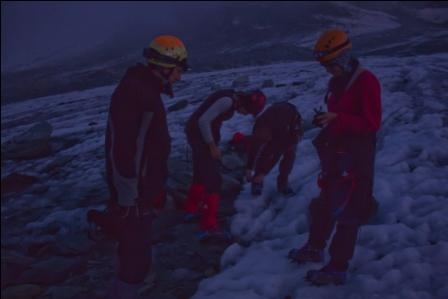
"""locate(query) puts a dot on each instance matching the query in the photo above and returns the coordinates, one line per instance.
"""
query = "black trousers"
(134, 247)
(342, 245)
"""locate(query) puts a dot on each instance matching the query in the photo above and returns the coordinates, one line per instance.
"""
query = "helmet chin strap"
(158, 71)
(344, 61)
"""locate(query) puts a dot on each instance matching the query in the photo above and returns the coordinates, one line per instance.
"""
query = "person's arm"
(370, 120)
(260, 136)
(205, 122)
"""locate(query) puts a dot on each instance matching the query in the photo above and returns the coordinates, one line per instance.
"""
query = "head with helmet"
(332, 50)
(252, 102)
(167, 54)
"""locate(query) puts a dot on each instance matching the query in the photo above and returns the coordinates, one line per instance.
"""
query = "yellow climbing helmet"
(331, 44)
(167, 51)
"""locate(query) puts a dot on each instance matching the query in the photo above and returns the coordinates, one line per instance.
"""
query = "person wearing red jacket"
(346, 149)
(274, 138)
(203, 135)
(137, 149)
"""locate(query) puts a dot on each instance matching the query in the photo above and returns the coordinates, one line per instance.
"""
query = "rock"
(148, 283)
(65, 292)
(58, 143)
(241, 81)
(17, 183)
(230, 186)
(39, 189)
(160, 295)
(182, 179)
(178, 197)
(178, 106)
(185, 274)
(40, 249)
(32, 144)
(209, 272)
(267, 83)
(291, 95)
(215, 87)
(73, 245)
(40, 131)
(166, 220)
(232, 161)
(52, 271)
(22, 291)
(280, 85)
(57, 163)
(170, 203)
(13, 264)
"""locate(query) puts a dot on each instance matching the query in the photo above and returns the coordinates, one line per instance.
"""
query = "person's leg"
(342, 246)
(134, 249)
(197, 188)
(268, 157)
(321, 223)
(321, 227)
(341, 251)
(285, 168)
(212, 184)
(209, 220)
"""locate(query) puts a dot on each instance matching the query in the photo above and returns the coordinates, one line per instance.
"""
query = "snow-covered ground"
(403, 253)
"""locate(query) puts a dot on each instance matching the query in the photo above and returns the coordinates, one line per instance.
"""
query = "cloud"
(39, 30)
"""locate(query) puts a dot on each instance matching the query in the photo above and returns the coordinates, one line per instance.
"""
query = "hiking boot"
(326, 275)
(306, 254)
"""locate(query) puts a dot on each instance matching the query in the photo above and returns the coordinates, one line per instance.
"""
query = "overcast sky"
(38, 29)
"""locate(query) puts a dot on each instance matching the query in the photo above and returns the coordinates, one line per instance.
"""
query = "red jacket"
(346, 148)
(358, 105)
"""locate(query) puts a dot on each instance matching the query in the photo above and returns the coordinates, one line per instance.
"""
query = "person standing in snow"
(275, 135)
(203, 135)
(346, 149)
(137, 149)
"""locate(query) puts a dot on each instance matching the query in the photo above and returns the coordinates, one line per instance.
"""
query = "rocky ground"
(73, 266)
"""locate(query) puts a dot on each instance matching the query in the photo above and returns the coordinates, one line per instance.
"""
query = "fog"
(39, 30)
(45, 30)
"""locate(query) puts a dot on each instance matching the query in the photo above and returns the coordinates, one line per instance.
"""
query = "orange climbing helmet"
(167, 51)
(331, 44)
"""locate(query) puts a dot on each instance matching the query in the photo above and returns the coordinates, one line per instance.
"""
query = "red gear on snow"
(195, 198)
(238, 137)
